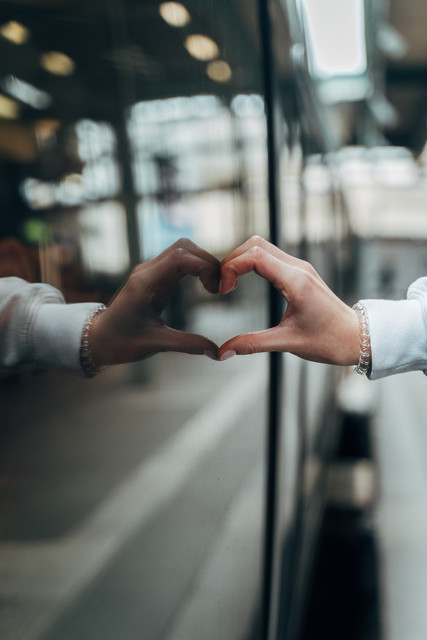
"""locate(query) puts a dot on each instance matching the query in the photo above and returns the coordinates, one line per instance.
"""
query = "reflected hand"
(316, 326)
(131, 327)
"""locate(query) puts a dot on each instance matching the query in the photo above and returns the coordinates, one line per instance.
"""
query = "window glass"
(133, 503)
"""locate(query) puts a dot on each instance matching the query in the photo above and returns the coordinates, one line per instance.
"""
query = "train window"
(133, 504)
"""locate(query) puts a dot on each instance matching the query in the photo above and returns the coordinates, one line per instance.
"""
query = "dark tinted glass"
(133, 503)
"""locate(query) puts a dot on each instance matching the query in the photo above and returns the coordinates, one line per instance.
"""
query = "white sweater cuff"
(398, 334)
(56, 332)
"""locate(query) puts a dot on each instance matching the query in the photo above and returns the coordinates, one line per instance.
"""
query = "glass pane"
(312, 227)
(133, 504)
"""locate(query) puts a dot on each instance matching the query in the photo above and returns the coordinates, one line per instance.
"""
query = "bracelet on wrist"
(88, 365)
(364, 364)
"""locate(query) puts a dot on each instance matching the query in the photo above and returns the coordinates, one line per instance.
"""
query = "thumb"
(257, 342)
(183, 342)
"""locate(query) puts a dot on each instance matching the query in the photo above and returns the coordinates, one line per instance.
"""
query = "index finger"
(262, 243)
(177, 262)
(263, 263)
(190, 246)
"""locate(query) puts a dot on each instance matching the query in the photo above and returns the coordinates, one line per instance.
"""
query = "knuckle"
(256, 252)
(179, 252)
(182, 243)
(258, 241)
(250, 347)
(308, 268)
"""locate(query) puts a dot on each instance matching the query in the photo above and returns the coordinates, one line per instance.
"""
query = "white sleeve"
(38, 330)
(399, 332)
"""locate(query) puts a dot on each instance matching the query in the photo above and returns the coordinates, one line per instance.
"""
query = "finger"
(258, 241)
(248, 343)
(180, 341)
(180, 262)
(263, 263)
(187, 245)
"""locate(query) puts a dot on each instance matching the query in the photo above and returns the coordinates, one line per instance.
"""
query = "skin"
(132, 329)
(316, 325)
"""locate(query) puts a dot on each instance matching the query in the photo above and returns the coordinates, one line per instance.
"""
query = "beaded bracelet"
(90, 369)
(363, 366)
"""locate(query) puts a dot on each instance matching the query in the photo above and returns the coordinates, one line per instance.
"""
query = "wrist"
(363, 364)
(90, 361)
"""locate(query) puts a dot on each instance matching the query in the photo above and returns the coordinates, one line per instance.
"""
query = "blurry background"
(177, 498)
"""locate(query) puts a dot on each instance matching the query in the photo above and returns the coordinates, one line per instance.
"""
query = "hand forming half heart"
(131, 328)
(316, 325)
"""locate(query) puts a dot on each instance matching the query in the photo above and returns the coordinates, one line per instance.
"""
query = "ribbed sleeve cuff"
(56, 332)
(398, 336)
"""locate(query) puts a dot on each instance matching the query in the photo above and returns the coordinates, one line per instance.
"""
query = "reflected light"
(71, 189)
(336, 35)
(104, 245)
(15, 32)
(201, 47)
(248, 105)
(26, 92)
(174, 13)
(219, 71)
(8, 108)
(57, 63)
(38, 194)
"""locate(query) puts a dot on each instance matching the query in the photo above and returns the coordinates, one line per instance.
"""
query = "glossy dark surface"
(132, 143)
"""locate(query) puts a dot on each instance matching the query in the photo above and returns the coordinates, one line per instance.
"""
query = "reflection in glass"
(57, 63)
(15, 32)
(201, 47)
(174, 13)
(219, 70)
(141, 143)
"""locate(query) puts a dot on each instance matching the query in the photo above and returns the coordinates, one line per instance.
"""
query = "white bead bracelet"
(364, 364)
(90, 369)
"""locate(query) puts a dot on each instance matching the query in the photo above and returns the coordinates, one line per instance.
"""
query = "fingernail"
(227, 355)
(211, 355)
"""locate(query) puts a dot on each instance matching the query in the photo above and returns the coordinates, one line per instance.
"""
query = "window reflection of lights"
(8, 108)
(101, 178)
(336, 37)
(94, 139)
(39, 195)
(201, 47)
(71, 189)
(174, 13)
(104, 245)
(15, 32)
(57, 63)
(317, 178)
(219, 71)
(248, 105)
(173, 109)
(25, 92)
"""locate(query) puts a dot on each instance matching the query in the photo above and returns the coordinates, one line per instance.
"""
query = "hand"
(131, 327)
(316, 326)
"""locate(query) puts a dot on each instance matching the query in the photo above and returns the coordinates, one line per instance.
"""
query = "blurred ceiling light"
(8, 108)
(15, 32)
(336, 37)
(25, 92)
(57, 63)
(174, 13)
(219, 71)
(201, 47)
